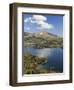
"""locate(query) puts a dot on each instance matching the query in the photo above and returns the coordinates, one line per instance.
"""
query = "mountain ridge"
(42, 40)
(43, 33)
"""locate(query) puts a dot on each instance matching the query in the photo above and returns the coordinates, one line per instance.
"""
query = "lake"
(54, 56)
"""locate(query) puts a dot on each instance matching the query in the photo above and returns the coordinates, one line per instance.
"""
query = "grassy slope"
(41, 42)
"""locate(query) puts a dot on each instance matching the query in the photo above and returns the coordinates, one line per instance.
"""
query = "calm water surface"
(54, 56)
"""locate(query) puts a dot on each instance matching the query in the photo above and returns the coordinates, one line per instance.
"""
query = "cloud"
(40, 21)
(39, 17)
(27, 19)
(46, 26)
(32, 21)
(28, 28)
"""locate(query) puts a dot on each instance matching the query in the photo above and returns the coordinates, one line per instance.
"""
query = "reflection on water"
(54, 56)
(39, 52)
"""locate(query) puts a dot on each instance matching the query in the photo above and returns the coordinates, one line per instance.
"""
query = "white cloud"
(32, 21)
(46, 26)
(39, 17)
(41, 21)
(27, 19)
(28, 28)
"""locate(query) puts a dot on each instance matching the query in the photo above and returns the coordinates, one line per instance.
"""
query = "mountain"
(42, 40)
(40, 34)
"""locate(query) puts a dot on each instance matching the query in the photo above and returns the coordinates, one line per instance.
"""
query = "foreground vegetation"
(33, 65)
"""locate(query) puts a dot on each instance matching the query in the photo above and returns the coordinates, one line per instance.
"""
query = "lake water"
(54, 56)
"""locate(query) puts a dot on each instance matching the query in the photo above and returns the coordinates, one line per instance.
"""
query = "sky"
(40, 22)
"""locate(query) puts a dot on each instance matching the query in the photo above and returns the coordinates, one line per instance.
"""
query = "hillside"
(42, 40)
